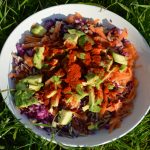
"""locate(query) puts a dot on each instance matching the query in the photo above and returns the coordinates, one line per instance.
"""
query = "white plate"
(142, 102)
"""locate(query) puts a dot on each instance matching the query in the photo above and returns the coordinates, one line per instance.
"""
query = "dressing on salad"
(75, 74)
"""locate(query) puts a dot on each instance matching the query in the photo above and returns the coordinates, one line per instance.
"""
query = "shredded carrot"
(77, 61)
(96, 21)
(132, 54)
(104, 105)
(123, 35)
(114, 123)
(132, 94)
(99, 93)
(28, 60)
(100, 32)
(121, 78)
(56, 32)
(31, 45)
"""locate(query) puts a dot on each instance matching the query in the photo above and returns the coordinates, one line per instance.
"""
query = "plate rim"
(101, 7)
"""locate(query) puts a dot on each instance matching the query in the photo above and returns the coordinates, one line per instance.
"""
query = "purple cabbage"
(125, 41)
(65, 27)
(49, 23)
(30, 52)
(82, 22)
(130, 85)
(20, 49)
(125, 94)
(125, 54)
(17, 60)
(38, 112)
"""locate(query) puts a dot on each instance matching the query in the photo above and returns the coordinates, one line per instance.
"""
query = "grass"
(13, 135)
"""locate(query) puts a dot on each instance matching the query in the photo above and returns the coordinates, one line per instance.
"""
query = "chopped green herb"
(79, 89)
(93, 80)
(93, 126)
(45, 65)
(110, 86)
(84, 39)
(123, 68)
(98, 82)
(90, 76)
(56, 79)
(77, 97)
(82, 55)
(69, 99)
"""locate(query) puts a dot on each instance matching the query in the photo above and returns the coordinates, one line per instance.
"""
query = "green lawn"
(13, 135)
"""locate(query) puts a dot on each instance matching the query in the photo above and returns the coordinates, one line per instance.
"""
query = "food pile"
(74, 75)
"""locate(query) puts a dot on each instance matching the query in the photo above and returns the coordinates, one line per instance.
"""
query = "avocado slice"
(38, 30)
(107, 63)
(84, 39)
(31, 82)
(55, 102)
(72, 36)
(122, 68)
(26, 89)
(21, 85)
(35, 87)
(93, 102)
(77, 32)
(86, 107)
(25, 98)
(119, 58)
(36, 79)
(77, 97)
(65, 116)
(38, 57)
(70, 39)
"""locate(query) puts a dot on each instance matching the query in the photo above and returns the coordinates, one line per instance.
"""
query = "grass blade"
(143, 6)
(125, 8)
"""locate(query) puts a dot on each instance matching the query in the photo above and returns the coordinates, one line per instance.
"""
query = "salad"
(74, 75)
